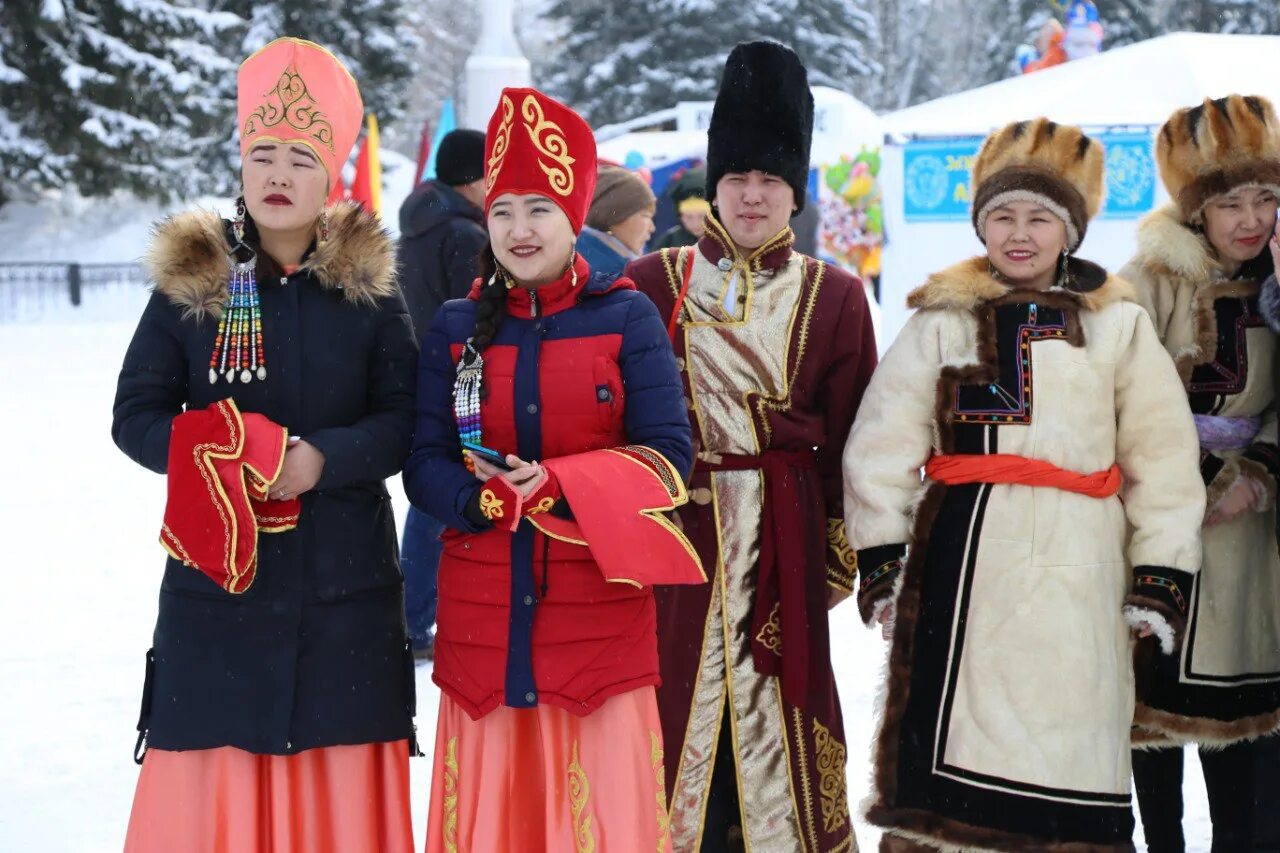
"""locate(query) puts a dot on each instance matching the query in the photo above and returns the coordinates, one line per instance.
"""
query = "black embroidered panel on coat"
(1228, 372)
(1009, 399)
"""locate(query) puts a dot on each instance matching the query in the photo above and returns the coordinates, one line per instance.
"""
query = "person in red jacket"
(546, 648)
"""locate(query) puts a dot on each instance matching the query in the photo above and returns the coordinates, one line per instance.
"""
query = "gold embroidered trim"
(661, 467)
(673, 269)
(806, 785)
(584, 840)
(845, 573)
(500, 143)
(451, 796)
(655, 759)
(549, 139)
(543, 505)
(805, 318)
(296, 108)
(770, 635)
(829, 755)
(491, 505)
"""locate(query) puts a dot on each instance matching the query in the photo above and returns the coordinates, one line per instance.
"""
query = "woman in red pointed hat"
(546, 652)
(277, 710)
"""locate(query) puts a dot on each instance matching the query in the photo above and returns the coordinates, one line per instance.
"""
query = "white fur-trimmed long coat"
(1010, 690)
(1224, 684)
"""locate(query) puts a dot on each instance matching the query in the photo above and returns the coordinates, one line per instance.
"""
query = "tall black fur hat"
(763, 117)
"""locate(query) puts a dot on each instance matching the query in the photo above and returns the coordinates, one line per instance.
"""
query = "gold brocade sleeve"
(842, 560)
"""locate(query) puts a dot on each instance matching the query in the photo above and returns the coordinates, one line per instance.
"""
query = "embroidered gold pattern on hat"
(500, 143)
(549, 139)
(290, 103)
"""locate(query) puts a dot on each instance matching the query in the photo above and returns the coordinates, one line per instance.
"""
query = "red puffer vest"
(582, 364)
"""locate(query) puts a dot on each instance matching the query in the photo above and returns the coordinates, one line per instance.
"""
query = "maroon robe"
(775, 350)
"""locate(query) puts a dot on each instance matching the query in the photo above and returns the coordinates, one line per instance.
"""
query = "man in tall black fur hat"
(776, 349)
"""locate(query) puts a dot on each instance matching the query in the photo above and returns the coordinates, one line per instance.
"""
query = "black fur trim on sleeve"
(879, 568)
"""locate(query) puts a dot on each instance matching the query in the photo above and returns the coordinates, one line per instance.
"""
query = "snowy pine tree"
(622, 60)
(108, 94)
(447, 31)
(1127, 21)
(1225, 16)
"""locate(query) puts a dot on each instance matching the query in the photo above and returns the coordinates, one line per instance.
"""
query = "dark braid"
(491, 308)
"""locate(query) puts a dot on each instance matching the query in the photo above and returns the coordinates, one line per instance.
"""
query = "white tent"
(842, 125)
(1131, 88)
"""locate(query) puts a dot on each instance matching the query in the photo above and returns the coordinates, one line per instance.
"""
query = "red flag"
(339, 191)
(424, 152)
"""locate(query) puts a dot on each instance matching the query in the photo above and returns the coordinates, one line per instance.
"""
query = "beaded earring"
(238, 345)
(467, 387)
(466, 397)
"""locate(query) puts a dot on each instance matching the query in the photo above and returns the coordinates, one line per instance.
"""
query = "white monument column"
(495, 63)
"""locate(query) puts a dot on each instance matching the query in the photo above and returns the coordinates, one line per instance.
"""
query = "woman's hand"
(303, 465)
(1243, 496)
(525, 477)
(886, 616)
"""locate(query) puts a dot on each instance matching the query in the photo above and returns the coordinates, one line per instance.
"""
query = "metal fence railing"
(33, 288)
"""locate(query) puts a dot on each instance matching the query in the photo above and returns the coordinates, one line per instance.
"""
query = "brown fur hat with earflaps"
(1211, 149)
(1054, 165)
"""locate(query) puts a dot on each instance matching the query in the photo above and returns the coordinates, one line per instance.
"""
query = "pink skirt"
(540, 779)
(334, 799)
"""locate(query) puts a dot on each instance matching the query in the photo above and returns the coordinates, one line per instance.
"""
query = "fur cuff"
(1261, 463)
(1139, 617)
(1219, 476)
(1269, 303)
(1160, 592)
(880, 568)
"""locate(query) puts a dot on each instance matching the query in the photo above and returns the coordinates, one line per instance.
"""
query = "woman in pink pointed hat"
(279, 717)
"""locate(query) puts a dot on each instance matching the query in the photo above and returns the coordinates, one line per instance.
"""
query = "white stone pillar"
(495, 63)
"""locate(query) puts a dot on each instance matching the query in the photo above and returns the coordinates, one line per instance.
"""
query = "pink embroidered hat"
(295, 92)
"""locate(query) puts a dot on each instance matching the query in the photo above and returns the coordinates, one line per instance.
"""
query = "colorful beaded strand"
(466, 397)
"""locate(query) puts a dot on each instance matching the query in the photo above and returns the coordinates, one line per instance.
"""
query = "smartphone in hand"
(492, 457)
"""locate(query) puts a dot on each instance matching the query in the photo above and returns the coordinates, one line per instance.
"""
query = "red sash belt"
(789, 637)
(958, 469)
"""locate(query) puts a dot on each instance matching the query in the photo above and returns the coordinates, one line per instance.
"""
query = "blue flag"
(448, 122)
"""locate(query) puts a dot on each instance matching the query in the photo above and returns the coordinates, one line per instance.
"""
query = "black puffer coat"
(314, 653)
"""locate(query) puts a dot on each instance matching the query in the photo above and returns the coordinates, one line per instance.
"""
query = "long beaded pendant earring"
(466, 397)
(238, 347)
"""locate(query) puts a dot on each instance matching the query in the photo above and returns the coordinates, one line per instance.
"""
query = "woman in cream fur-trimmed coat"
(1198, 269)
(1010, 690)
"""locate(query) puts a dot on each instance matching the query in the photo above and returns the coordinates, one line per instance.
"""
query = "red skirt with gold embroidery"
(328, 800)
(528, 780)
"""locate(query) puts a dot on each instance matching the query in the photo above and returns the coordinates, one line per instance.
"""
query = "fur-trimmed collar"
(969, 283)
(189, 262)
(1167, 246)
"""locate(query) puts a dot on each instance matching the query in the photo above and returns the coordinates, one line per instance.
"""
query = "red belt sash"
(958, 469)
(789, 589)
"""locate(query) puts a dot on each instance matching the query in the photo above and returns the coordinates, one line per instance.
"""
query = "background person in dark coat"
(441, 237)
(442, 229)
(688, 194)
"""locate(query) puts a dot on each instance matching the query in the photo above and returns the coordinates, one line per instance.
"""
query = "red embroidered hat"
(538, 145)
